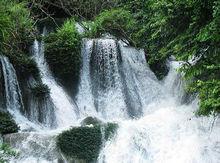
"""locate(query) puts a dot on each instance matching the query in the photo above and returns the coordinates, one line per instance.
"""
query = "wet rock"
(91, 121)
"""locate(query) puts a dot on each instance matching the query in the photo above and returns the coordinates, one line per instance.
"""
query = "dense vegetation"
(84, 143)
(16, 36)
(62, 52)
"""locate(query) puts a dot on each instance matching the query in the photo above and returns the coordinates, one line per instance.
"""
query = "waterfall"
(14, 101)
(13, 97)
(65, 110)
(116, 84)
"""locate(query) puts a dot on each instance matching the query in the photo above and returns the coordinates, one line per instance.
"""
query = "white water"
(65, 109)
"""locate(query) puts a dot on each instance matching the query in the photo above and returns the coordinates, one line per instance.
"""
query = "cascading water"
(13, 98)
(167, 133)
(117, 85)
(100, 80)
(12, 90)
(140, 84)
(65, 109)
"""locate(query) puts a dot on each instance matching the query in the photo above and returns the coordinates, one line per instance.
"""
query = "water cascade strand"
(65, 110)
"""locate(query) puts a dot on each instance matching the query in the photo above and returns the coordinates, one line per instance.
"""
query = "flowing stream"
(116, 84)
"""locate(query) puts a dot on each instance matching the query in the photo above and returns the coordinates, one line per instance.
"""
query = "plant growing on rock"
(40, 90)
(84, 143)
(62, 52)
(118, 22)
(7, 124)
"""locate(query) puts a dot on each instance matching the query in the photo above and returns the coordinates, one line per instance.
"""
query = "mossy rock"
(84, 143)
(7, 124)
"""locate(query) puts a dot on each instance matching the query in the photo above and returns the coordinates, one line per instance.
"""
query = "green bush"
(84, 143)
(7, 124)
(62, 52)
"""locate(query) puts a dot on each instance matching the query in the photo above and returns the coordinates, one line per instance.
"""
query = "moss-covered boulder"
(84, 143)
(7, 124)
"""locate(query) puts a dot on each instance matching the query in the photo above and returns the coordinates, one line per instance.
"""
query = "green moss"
(84, 143)
(7, 124)
(62, 52)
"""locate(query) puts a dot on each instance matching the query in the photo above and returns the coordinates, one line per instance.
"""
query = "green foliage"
(6, 153)
(84, 142)
(16, 36)
(118, 22)
(62, 51)
(40, 90)
(7, 124)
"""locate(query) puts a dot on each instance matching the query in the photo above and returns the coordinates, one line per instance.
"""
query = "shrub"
(40, 90)
(62, 52)
(7, 124)
(118, 22)
(6, 153)
(84, 142)
(16, 36)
